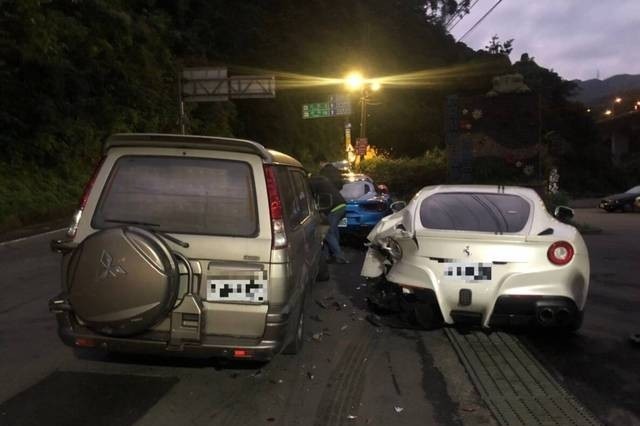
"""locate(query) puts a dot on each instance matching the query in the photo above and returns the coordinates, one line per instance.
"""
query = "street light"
(354, 81)
(617, 100)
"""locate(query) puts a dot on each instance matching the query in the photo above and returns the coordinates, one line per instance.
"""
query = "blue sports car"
(366, 204)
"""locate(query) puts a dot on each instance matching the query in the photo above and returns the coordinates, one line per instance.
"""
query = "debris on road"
(322, 304)
(317, 336)
(310, 375)
(398, 409)
(352, 417)
(344, 327)
(635, 338)
(375, 320)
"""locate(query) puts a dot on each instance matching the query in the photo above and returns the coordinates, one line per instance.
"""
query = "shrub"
(405, 176)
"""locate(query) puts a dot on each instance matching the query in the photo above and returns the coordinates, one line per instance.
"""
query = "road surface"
(355, 373)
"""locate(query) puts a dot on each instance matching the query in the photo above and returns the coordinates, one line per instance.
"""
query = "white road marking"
(4, 243)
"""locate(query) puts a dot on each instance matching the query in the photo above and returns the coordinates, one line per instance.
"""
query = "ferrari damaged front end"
(486, 255)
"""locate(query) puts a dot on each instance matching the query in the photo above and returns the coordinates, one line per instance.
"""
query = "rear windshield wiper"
(132, 222)
(153, 225)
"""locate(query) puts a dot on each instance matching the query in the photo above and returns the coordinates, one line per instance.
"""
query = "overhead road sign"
(249, 87)
(340, 104)
(316, 110)
(213, 85)
(337, 105)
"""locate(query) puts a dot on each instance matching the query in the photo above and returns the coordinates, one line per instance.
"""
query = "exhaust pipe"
(546, 316)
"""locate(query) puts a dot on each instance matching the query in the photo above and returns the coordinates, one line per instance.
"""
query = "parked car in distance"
(193, 245)
(484, 255)
(367, 203)
(623, 201)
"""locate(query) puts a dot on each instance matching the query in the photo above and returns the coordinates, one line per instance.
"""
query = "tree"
(496, 47)
(442, 12)
(571, 133)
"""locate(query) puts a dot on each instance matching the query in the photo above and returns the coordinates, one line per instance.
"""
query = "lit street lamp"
(356, 82)
(617, 100)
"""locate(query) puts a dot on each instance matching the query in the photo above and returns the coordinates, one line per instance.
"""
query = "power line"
(458, 15)
(480, 20)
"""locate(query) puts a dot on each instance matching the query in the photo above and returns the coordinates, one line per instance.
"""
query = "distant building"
(622, 133)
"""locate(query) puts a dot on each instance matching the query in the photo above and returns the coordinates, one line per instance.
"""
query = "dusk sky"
(575, 38)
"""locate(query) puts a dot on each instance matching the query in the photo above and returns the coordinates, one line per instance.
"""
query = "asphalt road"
(356, 374)
(599, 365)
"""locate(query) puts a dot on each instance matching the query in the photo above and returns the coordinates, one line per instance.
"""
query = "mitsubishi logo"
(466, 251)
(108, 269)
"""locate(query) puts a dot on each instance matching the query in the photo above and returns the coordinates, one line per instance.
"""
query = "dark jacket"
(321, 185)
(333, 174)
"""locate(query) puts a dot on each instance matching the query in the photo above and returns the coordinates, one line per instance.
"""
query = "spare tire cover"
(122, 281)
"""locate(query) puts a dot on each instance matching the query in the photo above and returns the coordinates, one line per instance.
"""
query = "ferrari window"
(479, 212)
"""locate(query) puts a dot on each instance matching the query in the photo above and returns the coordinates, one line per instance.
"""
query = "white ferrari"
(486, 255)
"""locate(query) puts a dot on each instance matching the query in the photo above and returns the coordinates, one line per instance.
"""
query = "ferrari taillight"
(560, 253)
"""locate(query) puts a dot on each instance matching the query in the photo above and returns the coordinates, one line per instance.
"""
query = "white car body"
(520, 267)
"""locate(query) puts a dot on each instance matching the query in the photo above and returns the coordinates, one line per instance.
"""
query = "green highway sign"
(317, 110)
(338, 105)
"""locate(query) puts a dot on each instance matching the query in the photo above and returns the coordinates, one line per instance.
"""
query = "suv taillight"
(275, 209)
(75, 220)
(560, 253)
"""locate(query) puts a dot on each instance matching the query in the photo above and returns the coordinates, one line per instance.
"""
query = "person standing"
(320, 184)
(332, 173)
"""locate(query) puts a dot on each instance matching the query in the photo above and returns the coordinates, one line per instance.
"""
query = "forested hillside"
(74, 71)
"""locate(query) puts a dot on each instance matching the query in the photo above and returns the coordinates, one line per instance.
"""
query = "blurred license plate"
(467, 271)
(342, 223)
(237, 290)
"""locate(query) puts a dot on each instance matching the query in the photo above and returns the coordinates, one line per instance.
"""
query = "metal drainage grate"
(513, 384)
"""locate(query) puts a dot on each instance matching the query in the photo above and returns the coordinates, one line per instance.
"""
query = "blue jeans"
(332, 239)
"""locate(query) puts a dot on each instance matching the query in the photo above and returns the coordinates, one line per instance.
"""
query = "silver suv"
(190, 244)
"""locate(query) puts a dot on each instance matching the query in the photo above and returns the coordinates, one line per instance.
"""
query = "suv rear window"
(181, 195)
(480, 212)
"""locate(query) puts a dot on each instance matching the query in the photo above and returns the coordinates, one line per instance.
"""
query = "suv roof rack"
(198, 142)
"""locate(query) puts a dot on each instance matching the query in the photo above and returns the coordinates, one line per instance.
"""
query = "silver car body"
(519, 261)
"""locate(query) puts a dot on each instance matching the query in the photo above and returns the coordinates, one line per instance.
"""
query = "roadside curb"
(20, 234)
